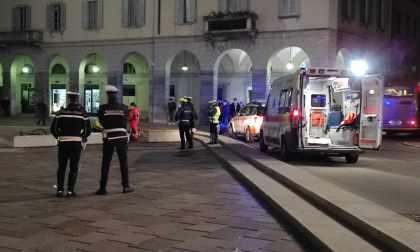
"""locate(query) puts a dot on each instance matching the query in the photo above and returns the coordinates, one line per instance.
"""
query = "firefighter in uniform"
(113, 117)
(214, 114)
(71, 127)
(185, 115)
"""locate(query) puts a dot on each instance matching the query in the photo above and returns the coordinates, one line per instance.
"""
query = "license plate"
(395, 122)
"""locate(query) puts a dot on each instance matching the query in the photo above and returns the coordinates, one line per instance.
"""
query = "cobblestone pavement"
(184, 201)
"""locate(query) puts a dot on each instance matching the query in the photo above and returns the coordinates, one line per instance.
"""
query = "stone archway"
(93, 76)
(136, 82)
(343, 58)
(233, 76)
(286, 61)
(183, 72)
(22, 91)
(58, 82)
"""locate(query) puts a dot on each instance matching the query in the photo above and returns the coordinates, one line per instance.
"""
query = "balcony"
(33, 38)
(222, 27)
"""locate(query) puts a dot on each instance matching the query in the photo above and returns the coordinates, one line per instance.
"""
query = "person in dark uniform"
(113, 117)
(184, 115)
(194, 117)
(41, 111)
(71, 127)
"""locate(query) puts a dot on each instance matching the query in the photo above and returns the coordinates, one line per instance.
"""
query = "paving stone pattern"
(184, 201)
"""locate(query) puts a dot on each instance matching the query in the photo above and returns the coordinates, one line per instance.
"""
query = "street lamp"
(289, 65)
(25, 69)
(184, 67)
(95, 69)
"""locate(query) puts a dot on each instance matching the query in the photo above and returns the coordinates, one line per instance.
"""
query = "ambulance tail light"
(356, 138)
(295, 115)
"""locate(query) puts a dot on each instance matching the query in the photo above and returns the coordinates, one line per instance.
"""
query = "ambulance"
(327, 111)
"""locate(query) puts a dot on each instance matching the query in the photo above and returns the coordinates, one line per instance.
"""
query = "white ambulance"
(323, 110)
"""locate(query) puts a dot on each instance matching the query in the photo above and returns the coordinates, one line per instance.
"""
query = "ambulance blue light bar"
(316, 71)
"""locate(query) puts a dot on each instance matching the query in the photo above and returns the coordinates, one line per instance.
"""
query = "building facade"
(155, 49)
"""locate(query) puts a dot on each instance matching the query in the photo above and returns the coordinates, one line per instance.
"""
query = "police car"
(247, 122)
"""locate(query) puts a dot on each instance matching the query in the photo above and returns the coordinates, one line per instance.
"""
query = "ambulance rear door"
(370, 135)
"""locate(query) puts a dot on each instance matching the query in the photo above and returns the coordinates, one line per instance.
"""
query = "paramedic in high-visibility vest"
(71, 127)
(214, 114)
(113, 117)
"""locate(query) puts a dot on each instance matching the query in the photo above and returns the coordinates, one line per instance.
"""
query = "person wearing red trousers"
(134, 118)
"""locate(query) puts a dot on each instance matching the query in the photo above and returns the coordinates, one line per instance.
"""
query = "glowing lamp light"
(412, 122)
(296, 112)
(95, 69)
(184, 68)
(387, 103)
(359, 67)
(25, 69)
(290, 66)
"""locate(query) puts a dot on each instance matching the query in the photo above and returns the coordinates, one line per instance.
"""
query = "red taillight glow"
(412, 122)
(294, 117)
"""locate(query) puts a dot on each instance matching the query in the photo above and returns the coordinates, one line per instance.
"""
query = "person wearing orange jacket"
(134, 118)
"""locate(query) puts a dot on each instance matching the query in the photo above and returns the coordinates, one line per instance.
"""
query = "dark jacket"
(71, 122)
(41, 108)
(114, 115)
(185, 114)
(171, 106)
(234, 109)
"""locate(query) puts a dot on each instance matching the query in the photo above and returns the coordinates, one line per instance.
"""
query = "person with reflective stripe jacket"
(214, 114)
(185, 115)
(113, 117)
(71, 127)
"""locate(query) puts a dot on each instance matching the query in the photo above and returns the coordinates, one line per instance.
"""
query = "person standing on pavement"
(214, 114)
(134, 118)
(184, 115)
(234, 108)
(194, 118)
(171, 111)
(113, 117)
(6, 106)
(41, 111)
(71, 127)
(224, 117)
